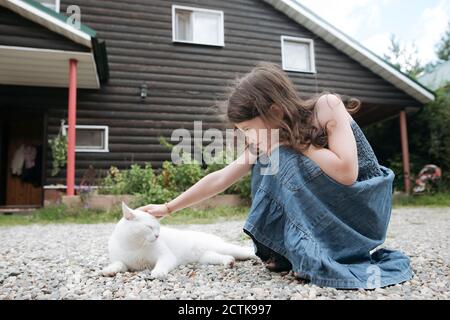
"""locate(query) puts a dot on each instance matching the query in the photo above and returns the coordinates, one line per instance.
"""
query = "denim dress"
(328, 231)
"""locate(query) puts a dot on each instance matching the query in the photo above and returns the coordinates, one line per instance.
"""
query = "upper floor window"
(52, 4)
(298, 54)
(195, 25)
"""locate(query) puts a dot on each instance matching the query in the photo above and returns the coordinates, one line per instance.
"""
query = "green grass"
(218, 214)
(441, 199)
(63, 214)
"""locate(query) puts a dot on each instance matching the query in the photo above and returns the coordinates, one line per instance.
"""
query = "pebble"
(63, 261)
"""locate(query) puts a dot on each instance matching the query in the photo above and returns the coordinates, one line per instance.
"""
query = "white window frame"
(310, 42)
(106, 135)
(222, 31)
(57, 5)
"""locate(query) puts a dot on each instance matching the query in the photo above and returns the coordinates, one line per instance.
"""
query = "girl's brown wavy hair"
(267, 84)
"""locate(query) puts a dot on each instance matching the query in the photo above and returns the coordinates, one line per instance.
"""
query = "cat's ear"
(127, 212)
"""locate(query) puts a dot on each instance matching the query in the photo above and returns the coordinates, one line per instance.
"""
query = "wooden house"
(120, 74)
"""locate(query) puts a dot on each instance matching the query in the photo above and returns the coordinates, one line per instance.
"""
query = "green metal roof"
(60, 17)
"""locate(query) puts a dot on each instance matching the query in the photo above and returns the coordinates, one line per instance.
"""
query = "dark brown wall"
(184, 80)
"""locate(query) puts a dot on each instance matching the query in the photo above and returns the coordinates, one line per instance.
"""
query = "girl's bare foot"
(277, 266)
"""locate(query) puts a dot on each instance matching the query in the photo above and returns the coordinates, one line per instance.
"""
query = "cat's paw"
(114, 268)
(158, 274)
(228, 261)
(109, 272)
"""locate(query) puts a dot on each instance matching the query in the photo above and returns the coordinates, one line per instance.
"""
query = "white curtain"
(207, 27)
(183, 26)
(90, 138)
(297, 55)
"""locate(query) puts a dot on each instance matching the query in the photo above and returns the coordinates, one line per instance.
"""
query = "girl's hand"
(157, 210)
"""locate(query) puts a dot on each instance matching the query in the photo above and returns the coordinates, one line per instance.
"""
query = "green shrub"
(429, 140)
(136, 180)
(242, 187)
(180, 177)
(58, 146)
(172, 179)
(221, 160)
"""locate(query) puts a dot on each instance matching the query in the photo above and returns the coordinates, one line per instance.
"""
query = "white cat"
(138, 242)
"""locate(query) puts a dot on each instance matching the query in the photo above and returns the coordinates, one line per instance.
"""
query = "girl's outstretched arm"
(206, 187)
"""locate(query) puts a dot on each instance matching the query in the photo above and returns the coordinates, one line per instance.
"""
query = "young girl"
(328, 203)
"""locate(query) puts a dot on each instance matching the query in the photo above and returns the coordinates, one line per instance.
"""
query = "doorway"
(21, 159)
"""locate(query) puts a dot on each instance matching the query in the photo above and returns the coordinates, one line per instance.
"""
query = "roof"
(438, 77)
(354, 49)
(58, 23)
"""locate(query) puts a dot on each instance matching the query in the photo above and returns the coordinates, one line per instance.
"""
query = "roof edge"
(51, 20)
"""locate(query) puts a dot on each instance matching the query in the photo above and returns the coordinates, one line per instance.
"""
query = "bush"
(242, 186)
(172, 180)
(429, 140)
(136, 181)
(133, 181)
(182, 176)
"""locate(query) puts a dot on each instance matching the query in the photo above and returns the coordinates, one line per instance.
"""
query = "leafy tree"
(428, 129)
(404, 58)
(443, 47)
(442, 51)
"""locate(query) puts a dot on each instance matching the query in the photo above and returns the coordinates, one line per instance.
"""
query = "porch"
(40, 51)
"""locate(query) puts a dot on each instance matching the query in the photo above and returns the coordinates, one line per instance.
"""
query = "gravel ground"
(63, 261)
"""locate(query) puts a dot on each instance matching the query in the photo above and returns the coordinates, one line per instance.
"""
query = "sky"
(371, 22)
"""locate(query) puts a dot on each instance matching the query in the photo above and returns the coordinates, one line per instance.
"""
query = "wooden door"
(21, 129)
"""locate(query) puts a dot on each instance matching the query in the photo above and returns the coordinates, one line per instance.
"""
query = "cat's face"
(140, 227)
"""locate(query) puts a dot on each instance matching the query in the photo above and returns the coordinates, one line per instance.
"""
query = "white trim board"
(63, 186)
(312, 59)
(330, 34)
(46, 67)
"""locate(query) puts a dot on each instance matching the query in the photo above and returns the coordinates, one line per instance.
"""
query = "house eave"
(23, 66)
(50, 19)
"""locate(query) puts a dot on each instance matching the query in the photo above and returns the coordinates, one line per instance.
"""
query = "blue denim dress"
(328, 231)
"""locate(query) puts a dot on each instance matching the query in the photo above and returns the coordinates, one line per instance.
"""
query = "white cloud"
(350, 16)
(378, 43)
(432, 24)
(363, 21)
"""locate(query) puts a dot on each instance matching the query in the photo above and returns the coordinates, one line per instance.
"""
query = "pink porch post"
(405, 151)
(70, 177)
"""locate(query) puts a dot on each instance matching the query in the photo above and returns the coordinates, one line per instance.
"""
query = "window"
(51, 4)
(297, 54)
(195, 25)
(90, 138)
